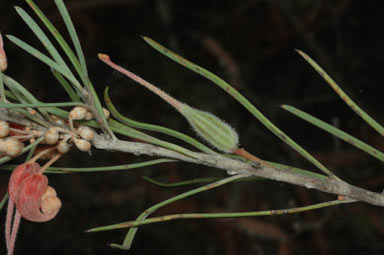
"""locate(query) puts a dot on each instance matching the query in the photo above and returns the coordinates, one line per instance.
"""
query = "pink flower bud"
(3, 57)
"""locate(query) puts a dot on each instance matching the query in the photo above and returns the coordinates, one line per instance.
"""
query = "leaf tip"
(301, 53)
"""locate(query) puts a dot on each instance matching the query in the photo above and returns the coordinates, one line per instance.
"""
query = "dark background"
(250, 44)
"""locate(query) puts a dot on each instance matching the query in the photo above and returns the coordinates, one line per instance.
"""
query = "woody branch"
(233, 166)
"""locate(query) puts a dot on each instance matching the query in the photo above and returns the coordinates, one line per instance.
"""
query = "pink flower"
(34, 200)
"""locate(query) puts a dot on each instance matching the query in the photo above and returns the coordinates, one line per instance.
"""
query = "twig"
(232, 166)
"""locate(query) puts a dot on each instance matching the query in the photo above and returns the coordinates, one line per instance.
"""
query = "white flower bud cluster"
(80, 136)
(9, 145)
(80, 113)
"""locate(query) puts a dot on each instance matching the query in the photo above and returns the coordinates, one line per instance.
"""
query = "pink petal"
(19, 175)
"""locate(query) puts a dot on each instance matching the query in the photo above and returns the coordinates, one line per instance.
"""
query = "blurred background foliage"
(250, 44)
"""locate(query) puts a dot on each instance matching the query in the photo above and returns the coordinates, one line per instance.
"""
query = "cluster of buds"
(63, 138)
(12, 137)
(80, 136)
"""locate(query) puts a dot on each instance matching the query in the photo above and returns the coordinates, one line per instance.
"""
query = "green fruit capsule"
(212, 129)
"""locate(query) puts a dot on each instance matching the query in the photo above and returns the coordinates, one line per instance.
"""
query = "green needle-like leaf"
(27, 97)
(43, 38)
(40, 105)
(67, 87)
(374, 124)
(241, 99)
(131, 132)
(136, 223)
(336, 132)
(56, 170)
(154, 128)
(198, 181)
(59, 38)
(131, 233)
(3, 200)
(72, 32)
(43, 58)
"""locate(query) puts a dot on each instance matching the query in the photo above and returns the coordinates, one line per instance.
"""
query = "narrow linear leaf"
(360, 112)
(32, 117)
(56, 170)
(152, 127)
(131, 132)
(198, 181)
(132, 232)
(136, 223)
(43, 58)
(3, 200)
(242, 100)
(335, 131)
(67, 87)
(14, 85)
(78, 62)
(72, 32)
(42, 37)
(59, 38)
(40, 105)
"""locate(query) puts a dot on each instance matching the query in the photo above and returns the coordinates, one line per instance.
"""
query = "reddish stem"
(172, 101)
(245, 154)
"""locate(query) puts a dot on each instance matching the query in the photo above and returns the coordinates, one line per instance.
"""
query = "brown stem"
(245, 154)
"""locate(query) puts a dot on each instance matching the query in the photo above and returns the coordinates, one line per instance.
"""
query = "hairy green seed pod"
(212, 129)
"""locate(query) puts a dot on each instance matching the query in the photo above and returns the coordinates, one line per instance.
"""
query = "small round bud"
(63, 146)
(4, 128)
(88, 115)
(13, 147)
(106, 113)
(51, 136)
(49, 202)
(86, 133)
(48, 192)
(78, 113)
(82, 145)
(57, 120)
